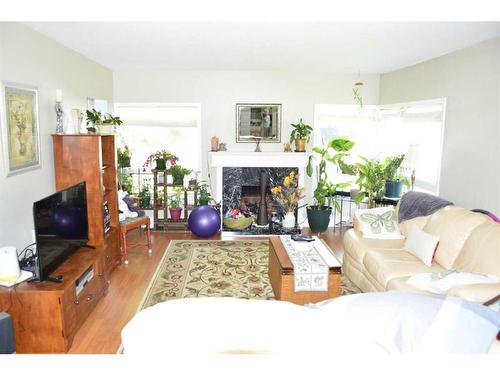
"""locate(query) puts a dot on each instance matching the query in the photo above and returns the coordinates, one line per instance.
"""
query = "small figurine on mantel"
(222, 147)
(214, 144)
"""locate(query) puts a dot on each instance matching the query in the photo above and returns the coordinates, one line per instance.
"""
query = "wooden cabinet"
(92, 158)
(47, 315)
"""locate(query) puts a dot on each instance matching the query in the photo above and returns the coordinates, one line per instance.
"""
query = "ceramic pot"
(300, 145)
(289, 220)
(394, 189)
(161, 164)
(124, 161)
(106, 129)
(178, 179)
(318, 218)
(175, 213)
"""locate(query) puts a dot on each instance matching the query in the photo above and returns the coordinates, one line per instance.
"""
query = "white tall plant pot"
(288, 220)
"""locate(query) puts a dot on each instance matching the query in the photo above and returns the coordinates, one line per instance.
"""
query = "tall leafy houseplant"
(370, 180)
(301, 134)
(335, 150)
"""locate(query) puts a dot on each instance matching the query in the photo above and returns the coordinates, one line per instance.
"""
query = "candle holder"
(59, 118)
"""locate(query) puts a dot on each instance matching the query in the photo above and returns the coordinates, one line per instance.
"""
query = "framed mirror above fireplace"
(258, 122)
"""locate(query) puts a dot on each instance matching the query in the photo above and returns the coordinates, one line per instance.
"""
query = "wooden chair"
(133, 223)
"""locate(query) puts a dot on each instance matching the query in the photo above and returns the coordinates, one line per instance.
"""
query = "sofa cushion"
(385, 265)
(400, 285)
(418, 222)
(453, 225)
(481, 251)
(421, 244)
(356, 245)
(380, 222)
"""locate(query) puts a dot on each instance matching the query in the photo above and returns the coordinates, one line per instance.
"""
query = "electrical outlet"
(33, 236)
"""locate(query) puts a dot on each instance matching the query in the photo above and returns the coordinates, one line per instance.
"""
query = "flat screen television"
(61, 227)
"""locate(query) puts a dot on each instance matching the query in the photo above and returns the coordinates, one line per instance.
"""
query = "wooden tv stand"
(47, 315)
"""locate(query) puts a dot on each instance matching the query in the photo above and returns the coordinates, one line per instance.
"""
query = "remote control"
(302, 238)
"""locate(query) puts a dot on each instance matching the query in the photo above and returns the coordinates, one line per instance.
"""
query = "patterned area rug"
(216, 269)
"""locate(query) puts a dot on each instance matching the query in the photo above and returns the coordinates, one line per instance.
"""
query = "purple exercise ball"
(204, 221)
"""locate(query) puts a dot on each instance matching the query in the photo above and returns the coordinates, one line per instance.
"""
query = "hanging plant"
(356, 91)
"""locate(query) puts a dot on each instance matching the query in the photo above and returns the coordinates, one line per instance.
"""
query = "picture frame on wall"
(20, 127)
(258, 122)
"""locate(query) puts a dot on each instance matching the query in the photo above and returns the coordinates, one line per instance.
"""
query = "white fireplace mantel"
(258, 159)
(220, 160)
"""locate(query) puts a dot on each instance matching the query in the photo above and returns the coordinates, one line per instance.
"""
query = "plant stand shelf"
(162, 190)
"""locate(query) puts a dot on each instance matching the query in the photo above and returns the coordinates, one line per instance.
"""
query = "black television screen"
(61, 227)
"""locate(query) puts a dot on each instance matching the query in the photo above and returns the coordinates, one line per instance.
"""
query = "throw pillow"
(421, 244)
(442, 282)
(378, 222)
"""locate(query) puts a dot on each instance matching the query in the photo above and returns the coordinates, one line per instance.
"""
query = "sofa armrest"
(479, 293)
(353, 237)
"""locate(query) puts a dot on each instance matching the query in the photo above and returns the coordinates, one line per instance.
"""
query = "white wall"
(218, 93)
(470, 80)
(30, 58)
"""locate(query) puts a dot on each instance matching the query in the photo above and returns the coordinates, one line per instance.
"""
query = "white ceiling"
(322, 47)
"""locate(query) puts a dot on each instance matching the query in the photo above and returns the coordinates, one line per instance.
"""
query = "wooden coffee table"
(281, 277)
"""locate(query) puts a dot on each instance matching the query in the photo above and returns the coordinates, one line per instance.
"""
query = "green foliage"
(175, 200)
(335, 150)
(357, 96)
(145, 196)
(370, 179)
(95, 118)
(301, 131)
(126, 182)
(392, 165)
(179, 171)
(204, 196)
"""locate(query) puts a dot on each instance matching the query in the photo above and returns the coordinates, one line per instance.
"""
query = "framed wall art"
(258, 122)
(20, 128)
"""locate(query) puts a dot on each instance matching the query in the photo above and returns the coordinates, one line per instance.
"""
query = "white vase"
(288, 220)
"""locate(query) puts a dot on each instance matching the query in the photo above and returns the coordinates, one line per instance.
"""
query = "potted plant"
(124, 156)
(174, 205)
(288, 196)
(394, 181)
(318, 215)
(178, 174)
(193, 181)
(125, 181)
(204, 196)
(301, 134)
(106, 124)
(370, 180)
(145, 197)
(161, 159)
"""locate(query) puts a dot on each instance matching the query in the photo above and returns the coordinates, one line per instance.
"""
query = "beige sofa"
(469, 241)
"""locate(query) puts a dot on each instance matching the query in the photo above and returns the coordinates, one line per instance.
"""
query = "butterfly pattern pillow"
(380, 222)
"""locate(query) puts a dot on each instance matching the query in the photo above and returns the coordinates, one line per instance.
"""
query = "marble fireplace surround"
(232, 161)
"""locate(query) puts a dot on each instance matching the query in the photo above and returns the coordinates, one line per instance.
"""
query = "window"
(150, 127)
(389, 130)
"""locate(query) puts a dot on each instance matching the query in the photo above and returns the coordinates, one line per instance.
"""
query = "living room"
(288, 135)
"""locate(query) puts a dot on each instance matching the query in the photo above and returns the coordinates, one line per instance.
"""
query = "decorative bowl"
(238, 224)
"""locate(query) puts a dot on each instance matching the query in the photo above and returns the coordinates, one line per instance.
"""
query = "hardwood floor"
(100, 334)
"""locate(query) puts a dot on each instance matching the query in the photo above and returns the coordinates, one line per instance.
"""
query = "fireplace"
(238, 182)
(242, 189)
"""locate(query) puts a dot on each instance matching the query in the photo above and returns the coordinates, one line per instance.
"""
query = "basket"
(238, 224)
